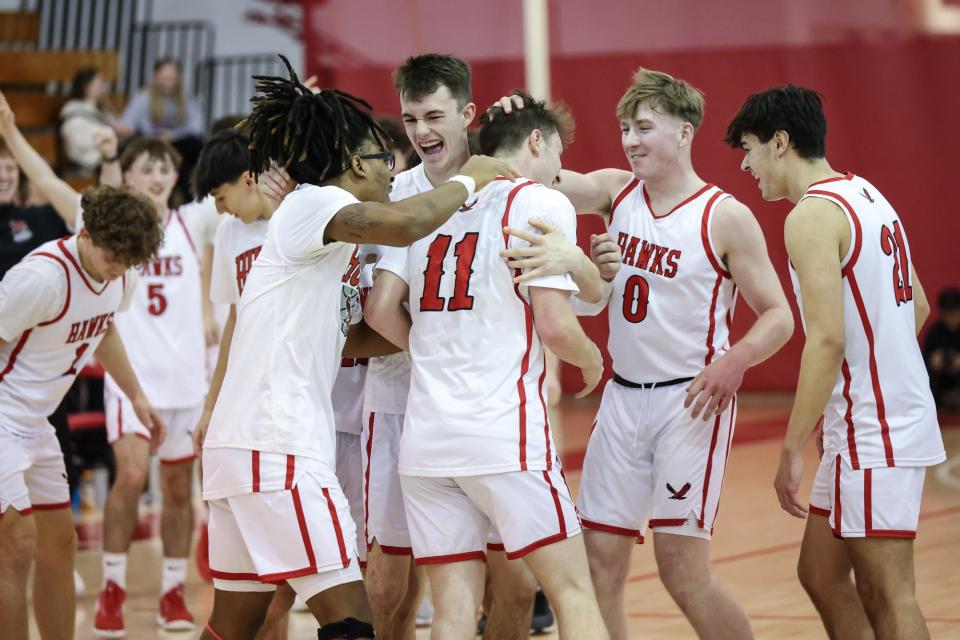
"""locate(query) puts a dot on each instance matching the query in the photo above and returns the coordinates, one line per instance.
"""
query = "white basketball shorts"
(450, 518)
(883, 502)
(176, 447)
(32, 473)
(648, 463)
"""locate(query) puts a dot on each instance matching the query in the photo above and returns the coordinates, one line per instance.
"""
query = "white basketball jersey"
(672, 301)
(38, 367)
(881, 412)
(235, 247)
(163, 330)
(477, 401)
(298, 302)
(388, 378)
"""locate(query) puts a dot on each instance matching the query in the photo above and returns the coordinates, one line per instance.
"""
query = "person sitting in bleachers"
(941, 351)
(86, 114)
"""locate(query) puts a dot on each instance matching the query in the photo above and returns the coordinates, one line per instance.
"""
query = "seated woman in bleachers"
(163, 110)
(86, 115)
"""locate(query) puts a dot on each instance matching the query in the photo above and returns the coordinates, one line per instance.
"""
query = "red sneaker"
(173, 614)
(109, 620)
(203, 555)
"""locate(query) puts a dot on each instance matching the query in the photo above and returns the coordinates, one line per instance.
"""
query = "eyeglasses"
(388, 156)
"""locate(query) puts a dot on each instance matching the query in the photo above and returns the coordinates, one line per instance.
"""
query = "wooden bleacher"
(19, 29)
(40, 67)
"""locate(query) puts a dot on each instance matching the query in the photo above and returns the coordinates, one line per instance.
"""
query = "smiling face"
(760, 160)
(654, 142)
(437, 128)
(153, 177)
(9, 179)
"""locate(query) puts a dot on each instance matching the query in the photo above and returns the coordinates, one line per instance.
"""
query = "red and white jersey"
(163, 329)
(388, 377)
(881, 412)
(477, 402)
(235, 246)
(53, 315)
(672, 301)
(298, 302)
(348, 388)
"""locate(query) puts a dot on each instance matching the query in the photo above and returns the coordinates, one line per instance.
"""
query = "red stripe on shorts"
(836, 500)
(706, 475)
(255, 463)
(336, 527)
(304, 533)
(868, 500)
(290, 464)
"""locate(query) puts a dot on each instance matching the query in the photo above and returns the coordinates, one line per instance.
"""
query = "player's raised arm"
(398, 224)
(62, 196)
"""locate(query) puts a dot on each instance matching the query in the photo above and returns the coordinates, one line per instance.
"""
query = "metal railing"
(226, 82)
(190, 42)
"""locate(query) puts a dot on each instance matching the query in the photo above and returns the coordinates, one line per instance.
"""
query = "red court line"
(765, 551)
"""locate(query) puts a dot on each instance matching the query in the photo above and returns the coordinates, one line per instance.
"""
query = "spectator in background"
(86, 115)
(162, 110)
(399, 144)
(941, 351)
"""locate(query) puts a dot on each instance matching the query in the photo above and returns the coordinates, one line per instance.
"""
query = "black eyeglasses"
(383, 155)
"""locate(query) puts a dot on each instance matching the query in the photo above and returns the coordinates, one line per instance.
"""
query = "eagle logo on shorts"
(678, 495)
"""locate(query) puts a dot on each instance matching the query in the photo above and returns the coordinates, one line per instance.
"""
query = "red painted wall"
(892, 107)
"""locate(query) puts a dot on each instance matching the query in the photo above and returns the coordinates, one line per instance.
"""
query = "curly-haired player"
(56, 311)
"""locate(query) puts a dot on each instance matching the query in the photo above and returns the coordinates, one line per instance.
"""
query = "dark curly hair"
(123, 222)
(505, 133)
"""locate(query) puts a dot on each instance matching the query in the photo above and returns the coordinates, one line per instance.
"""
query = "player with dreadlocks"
(277, 511)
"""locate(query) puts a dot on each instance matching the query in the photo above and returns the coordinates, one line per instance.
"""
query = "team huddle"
(379, 409)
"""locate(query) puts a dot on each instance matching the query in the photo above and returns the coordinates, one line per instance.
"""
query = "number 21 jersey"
(881, 412)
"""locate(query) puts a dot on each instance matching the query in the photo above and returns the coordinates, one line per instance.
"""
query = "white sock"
(174, 573)
(115, 568)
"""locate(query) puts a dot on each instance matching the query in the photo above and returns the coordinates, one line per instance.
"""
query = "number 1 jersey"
(881, 412)
(477, 401)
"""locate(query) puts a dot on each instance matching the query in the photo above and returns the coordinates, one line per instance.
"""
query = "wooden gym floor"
(755, 545)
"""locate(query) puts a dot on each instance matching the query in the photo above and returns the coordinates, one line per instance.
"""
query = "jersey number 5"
(465, 251)
(636, 297)
(156, 301)
(893, 245)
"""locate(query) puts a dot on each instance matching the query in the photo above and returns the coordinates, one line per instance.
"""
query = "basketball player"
(222, 173)
(270, 448)
(862, 305)
(688, 248)
(476, 450)
(163, 331)
(57, 310)
(437, 108)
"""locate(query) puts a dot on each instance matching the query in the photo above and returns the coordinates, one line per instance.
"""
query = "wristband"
(466, 181)
(113, 158)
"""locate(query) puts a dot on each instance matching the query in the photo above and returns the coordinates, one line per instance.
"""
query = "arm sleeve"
(395, 260)
(32, 292)
(223, 289)
(301, 221)
(541, 203)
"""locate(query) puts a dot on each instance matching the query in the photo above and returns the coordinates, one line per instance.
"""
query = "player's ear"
(535, 142)
(468, 113)
(248, 180)
(781, 142)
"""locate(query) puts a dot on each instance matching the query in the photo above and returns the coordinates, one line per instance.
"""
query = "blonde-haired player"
(688, 249)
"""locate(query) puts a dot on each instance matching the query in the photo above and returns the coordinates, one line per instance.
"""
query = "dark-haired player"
(476, 452)
(57, 310)
(862, 370)
(437, 108)
(277, 511)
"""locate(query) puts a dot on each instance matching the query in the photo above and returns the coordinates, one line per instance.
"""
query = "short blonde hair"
(662, 91)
